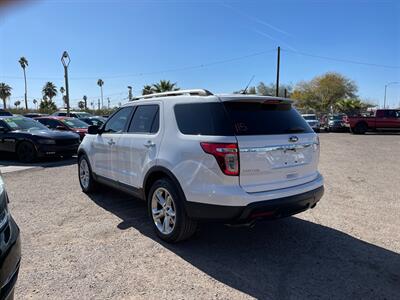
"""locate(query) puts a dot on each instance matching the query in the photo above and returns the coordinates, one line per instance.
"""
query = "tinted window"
(257, 118)
(203, 119)
(118, 121)
(52, 123)
(145, 120)
(22, 123)
(74, 123)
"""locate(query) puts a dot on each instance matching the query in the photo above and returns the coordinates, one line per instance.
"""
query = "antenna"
(247, 86)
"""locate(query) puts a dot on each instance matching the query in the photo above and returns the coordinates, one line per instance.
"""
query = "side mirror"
(59, 127)
(3, 129)
(94, 129)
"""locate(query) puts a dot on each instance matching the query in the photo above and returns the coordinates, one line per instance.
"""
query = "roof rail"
(194, 92)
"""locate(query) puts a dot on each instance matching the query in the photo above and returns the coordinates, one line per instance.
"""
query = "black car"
(10, 248)
(5, 113)
(96, 120)
(30, 140)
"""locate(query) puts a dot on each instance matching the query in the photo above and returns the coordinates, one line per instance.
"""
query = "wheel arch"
(158, 172)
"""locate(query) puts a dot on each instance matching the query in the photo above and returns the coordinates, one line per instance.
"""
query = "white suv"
(197, 156)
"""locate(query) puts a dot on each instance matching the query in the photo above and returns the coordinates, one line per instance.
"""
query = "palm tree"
(100, 83)
(147, 90)
(164, 86)
(35, 103)
(5, 92)
(47, 105)
(24, 63)
(17, 103)
(81, 104)
(49, 90)
(85, 100)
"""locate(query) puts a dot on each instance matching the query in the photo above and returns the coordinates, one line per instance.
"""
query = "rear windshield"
(258, 118)
(240, 118)
(203, 119)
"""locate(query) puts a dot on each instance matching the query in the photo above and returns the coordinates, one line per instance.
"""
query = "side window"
(145, 120)
(116, 124)
(398, 114)
(62, 114)
(43, 121)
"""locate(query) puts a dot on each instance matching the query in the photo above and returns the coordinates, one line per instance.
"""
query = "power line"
(342, 60)
(199, 66)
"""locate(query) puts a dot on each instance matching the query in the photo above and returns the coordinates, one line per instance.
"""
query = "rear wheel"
(86, 180)
(167, 212)
(26, 152)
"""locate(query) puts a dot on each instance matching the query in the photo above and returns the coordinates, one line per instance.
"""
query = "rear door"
(137, 148)
(278, 149)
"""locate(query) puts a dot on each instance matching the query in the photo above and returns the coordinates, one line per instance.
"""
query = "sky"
(216, 45)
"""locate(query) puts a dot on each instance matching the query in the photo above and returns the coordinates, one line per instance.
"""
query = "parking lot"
(102, 246)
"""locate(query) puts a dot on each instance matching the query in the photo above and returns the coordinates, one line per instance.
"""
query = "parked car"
(65, 124)
(336, 122)
(5, 113)
(72, 114)
(196, 156)
(34, 115)
(30, 139)
(95, 120)
(380, 120)
(313, 121)
(10, 247)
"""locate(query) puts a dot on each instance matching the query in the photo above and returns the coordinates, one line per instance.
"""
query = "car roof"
(54, 117)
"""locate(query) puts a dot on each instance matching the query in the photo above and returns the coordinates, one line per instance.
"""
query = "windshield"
(83, 115)
(74, 123)
(22, 123)
(310, 118)
(336, 118)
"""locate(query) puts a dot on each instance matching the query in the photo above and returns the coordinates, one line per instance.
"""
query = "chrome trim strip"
(287, 147)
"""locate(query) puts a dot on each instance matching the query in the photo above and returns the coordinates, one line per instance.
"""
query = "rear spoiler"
(255, 99)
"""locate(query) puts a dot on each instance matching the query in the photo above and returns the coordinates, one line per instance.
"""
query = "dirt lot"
(101, 247)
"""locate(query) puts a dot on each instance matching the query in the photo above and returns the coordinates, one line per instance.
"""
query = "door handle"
(111, 142)
(149, 144)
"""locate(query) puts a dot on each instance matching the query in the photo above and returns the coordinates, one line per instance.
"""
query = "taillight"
(226, 154)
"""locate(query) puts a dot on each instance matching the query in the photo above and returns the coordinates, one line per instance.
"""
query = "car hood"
(50, 134)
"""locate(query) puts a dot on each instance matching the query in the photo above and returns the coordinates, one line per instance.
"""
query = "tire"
(360, 128)
(165, 204)
(26, 152)
(85, 175)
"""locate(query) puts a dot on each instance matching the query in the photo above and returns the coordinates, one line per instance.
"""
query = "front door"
(104, 145)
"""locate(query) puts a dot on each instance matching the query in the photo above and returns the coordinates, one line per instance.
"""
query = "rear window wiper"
(295, 130)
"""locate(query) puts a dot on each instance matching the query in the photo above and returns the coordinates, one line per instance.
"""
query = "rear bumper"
(267, 209)
(10, 258)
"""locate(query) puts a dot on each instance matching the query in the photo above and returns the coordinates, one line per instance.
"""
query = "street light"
(65, 61)
(386, 85)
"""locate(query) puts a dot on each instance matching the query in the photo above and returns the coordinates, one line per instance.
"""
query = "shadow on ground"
(10, 159)
(289, 258)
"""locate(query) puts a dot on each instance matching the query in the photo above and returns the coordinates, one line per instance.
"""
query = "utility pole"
(277, 71)
(98, 104)
(65, 61)
(386, 85)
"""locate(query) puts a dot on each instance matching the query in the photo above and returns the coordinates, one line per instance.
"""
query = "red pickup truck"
(380, 120)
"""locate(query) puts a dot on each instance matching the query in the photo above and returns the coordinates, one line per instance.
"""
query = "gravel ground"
(102, 246)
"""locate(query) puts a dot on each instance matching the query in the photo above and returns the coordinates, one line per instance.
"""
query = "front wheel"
(86, 180)
(167, 212)
(26, 152)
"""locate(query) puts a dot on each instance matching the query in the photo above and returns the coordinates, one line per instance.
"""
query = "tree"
(64, 98)
(270, 90)
(35, 103)
(322, 92)
(47, 105)
(81, 104)
(17, 103)
(352, 106)
(85, 101)
(49, 90)
(24, 63)
(100, 83)
(5, 92)
(164, 86)
(147, 90)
